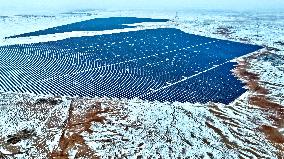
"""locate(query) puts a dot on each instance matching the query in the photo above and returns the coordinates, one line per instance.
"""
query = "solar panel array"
(156, 64)
(98, 24)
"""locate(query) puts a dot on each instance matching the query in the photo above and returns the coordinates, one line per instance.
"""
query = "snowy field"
(63, 127)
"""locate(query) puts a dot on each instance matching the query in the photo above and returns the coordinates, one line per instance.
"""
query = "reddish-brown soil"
(76, 123)
(272, 134)
(274, 111)
(250, 78)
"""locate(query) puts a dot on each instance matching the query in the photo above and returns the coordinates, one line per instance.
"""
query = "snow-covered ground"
(64, 127)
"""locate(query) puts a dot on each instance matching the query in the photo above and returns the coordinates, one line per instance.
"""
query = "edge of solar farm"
(262, 71)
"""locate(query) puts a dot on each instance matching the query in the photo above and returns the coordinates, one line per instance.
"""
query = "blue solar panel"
(98, 24)
(156, 64)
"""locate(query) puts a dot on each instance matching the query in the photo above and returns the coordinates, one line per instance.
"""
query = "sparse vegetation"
(50, 101)
(21, 135)
(279, 43)
(225, 31)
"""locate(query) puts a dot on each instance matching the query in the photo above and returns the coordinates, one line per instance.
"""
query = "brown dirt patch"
(254, 86)
(80, 120)
(263, 102)
(272, 134)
